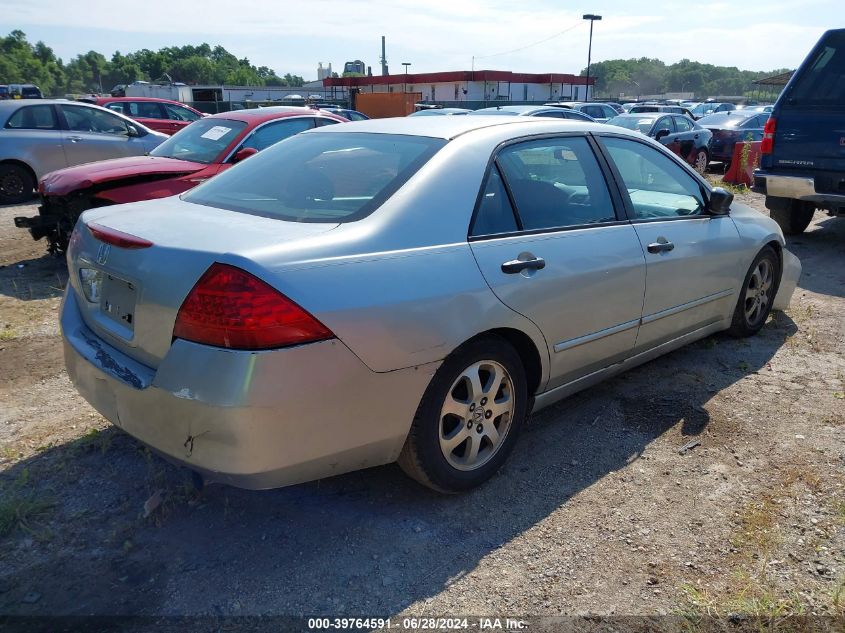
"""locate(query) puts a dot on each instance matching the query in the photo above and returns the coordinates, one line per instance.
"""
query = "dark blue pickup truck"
(802, 167)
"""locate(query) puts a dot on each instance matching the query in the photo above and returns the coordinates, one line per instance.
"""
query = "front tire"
(469, 418)
(700, 161)
(758, 293)
(16, 184)
(793, 217)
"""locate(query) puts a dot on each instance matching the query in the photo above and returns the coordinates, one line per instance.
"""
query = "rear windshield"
(319, 177)
(821, 80)
(200, 142)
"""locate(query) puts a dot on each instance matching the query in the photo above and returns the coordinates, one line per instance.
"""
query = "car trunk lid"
(145, 258)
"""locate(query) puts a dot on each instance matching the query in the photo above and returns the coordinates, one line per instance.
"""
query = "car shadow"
(31, 279)
(370, 542)
(821, 250)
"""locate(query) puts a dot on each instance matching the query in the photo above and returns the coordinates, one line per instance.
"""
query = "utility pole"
(405, 85)
(592, 18)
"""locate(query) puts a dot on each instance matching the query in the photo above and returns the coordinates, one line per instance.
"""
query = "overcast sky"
(437, 35)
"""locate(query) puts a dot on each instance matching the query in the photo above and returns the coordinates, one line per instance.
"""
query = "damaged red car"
(191, 156)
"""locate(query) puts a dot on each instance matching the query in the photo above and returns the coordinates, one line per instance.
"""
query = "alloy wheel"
(757, 293)
(476, 415)
(701, 162)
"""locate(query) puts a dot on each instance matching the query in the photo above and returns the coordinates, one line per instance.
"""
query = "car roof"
(449, 127)
(515, 109)
(259, 115)
(645, 115)
(153, 99)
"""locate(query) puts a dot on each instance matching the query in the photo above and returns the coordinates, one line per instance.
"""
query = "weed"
(21, 509)
(8, 333)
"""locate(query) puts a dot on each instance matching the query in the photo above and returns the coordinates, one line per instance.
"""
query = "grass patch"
(23, 510)
(8, 333)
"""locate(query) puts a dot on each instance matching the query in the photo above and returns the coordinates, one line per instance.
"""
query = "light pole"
(405, 85)
(592, 18)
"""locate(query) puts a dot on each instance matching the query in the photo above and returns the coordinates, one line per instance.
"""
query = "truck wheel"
(794, 217)
(16, 184)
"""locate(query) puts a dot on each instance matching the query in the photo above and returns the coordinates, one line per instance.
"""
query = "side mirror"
(661, 134)
(243, 154)
(133, 131)
(720, 202)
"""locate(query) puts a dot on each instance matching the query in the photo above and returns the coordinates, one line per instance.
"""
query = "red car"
(160, 115)
(195, 154)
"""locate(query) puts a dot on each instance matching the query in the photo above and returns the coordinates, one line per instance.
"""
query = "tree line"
(645, 76)
(23, 62)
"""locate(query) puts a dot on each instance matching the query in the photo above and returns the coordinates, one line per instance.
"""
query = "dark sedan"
(728, 128)
(680, 134)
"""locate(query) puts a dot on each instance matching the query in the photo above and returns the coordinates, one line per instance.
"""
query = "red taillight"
(117, 238)
(768, 142)
(228, 307)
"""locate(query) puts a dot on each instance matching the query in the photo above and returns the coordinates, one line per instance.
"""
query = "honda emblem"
(103, 253)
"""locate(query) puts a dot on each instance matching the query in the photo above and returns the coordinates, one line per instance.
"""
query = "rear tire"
(16, 184)
(794, 217)
(469, 417)
(757, 295)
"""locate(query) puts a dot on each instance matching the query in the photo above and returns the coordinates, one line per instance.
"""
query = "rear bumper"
(788, 281)
(249, 419)
(797, 187)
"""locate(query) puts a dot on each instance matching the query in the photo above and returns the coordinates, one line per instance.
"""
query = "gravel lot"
(597, 511)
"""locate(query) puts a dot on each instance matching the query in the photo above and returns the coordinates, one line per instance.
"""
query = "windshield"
(633, 123)
(328, 177)
(821, 80)
(200, 142)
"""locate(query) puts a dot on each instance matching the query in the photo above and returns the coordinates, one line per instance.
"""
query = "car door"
(687, 138)
(35, 137)
(551, 245)
(693, 259)
(178, 117)
(92, 134)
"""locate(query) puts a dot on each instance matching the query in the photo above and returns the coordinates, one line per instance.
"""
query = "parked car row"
(198, 152)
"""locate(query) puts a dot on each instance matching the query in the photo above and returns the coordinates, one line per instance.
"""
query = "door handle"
(518, 265)
(662, 245)
(74, 139)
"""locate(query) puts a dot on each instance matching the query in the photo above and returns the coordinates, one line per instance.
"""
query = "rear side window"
(556, 183)
(40, 117)
(495, 212)
(323, 177)
(145, 110)
(821, 80)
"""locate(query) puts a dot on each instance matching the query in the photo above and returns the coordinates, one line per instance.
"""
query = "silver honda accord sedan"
(403, 289)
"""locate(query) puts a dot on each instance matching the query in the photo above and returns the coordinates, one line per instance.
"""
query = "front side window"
(179, 113)
(665, 125)
(273, 132)
(115, 106)
(683, 124)
(556, 183)
(39, 117)
(323, 177)
(495, 212)
(82, 119)
(656, 185)
(201, 142)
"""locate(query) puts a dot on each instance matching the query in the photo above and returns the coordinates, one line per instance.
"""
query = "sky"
(437, 35)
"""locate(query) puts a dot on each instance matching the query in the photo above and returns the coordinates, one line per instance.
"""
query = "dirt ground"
(598, 511)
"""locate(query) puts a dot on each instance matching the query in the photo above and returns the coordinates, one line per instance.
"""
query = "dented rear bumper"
(249, 419)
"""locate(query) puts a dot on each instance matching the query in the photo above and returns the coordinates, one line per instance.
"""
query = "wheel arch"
(20, 163)
(527, 351)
